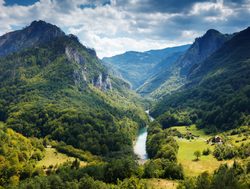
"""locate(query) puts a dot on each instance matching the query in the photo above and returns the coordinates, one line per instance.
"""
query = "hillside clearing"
(188, 147)
(53, 157)
(161, 183)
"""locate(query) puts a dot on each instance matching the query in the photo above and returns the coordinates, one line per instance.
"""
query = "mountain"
(174, 76)
(53, 86)
(137, 67)
(38, 32)
(216, 95)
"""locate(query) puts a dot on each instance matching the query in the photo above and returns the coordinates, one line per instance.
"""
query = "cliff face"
(36, 33)
(88, 70)
(81, 75)
(177, 74)
(201, 49)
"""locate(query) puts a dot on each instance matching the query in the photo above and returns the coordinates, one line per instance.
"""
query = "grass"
(188, 147)
(193, 129)
(52, 157)
(161, 183)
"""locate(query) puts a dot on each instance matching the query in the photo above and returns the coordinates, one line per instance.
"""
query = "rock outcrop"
(73, 55)
(102, 81)
(36, 33)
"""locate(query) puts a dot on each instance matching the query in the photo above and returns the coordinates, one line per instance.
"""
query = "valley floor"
(187, 148)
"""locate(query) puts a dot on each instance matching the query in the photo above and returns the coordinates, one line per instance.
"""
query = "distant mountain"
(175, 76)
(217, 92)
(38, 32)
(137, 67)
(51, 85)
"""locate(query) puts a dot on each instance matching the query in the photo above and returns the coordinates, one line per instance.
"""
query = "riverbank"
(140, 143)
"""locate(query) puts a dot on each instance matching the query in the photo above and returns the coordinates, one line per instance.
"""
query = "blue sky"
(20, 2)
(116, 26)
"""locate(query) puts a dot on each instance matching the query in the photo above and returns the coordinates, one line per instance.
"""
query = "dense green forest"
(235, 177)
(60, 92)
(57, 96)
(18, 156)
(217, 95)
(40, 96)
(162, 150)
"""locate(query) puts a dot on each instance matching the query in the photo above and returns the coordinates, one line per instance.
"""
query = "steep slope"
(218, 92)
(161, 72)
(136, 67)
(38, 32)
(175, 76)
(18, 156)
(61, 90)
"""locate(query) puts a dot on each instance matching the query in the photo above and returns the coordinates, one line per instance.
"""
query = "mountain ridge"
(175, 76)
(61, 90)
(216, 96)
(34, 34)
(136, 67)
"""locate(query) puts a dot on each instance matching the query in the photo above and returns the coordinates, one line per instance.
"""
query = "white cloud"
(112, 28)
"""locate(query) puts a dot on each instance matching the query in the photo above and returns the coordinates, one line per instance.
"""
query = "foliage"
(197, 154)
(77, 153)
(160, 143)
(137, 67)
(162, 148)
(206, 152)
(163, 168)
(120, 169)
(121, 173)
(224, 177)
(218, 91)
(44, 94)
(132, 183)
(229, 151)
(169, 119)
(18, 156)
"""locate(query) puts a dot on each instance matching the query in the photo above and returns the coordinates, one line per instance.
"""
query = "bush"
(206, 152)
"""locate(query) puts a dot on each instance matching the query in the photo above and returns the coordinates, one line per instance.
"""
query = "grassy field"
(193, 130)
(188, 147)
(52, 157)
(161, 183)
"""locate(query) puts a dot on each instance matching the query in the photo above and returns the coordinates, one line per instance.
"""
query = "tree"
(197, 154)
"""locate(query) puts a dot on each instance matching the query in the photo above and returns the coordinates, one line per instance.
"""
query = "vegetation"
(162, 148)
(53, 159)
(77, 153)
(42, 95)
(18, 156)
(218, 92)
(197, 154)
(236, 177)
(77, 122)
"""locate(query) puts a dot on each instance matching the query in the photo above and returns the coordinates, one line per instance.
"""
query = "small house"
(215, 140)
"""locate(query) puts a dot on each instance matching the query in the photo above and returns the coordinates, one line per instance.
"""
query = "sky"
(114, 26)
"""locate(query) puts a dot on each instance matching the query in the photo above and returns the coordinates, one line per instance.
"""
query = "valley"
(176, 117)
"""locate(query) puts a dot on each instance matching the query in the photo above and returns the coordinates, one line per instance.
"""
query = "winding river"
(140, 143)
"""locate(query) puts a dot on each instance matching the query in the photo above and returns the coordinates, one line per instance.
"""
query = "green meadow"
(188, 147)
(54, 158)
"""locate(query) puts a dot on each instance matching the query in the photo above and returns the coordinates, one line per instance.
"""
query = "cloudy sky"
(116, 26)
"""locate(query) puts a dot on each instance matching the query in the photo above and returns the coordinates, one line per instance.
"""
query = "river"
(140, 143)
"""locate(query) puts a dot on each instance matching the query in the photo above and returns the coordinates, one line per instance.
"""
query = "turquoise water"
(140, 145)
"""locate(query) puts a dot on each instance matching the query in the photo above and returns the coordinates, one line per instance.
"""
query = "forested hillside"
(18, 156)
(67, 120)
(217, 94)
(175, 75)
(138, 67)
(61, 90)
